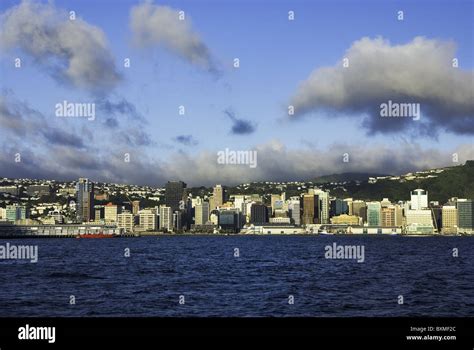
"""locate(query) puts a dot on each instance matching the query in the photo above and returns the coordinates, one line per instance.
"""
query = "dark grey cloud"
(72, 52)
(187, 140)
(19, 120)
(134, 137)
(121, 107)
(59, 137)
(420, 71)
(240, 126)
(275, 162)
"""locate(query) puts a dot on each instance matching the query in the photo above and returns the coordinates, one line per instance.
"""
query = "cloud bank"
(420, 71)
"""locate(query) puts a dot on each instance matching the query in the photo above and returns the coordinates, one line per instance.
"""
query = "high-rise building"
(201, 213)
(218, 196)
(178, 220)
(338, 207)
(175, 193)
(310, 209)
(274, 198)
(323, 197)
(148, 219)
(449, 219)
(230, 220)
(135, 207)
(111, 212)
(125, 221)
(16, 212)
(466, 215)
(374, 214)
(359, 208)
(419, 216)
(166, 218)
(419, 199)
(239, 203)
(294, 208)
(85, 200)
(388, 216)
(258, 213)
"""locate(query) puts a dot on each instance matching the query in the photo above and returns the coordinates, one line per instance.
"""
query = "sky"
(138, 135)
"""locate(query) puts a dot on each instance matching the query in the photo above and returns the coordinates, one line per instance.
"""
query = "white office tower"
(166, 218)
(294, 210)
(419, 199)
(201, 213)
(239, 201)
(323, 205)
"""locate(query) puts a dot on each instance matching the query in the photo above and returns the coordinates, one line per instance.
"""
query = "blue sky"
(276, 56)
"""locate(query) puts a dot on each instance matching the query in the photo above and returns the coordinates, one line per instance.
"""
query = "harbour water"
(232, 276)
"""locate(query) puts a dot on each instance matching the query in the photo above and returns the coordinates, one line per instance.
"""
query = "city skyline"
(137, 134)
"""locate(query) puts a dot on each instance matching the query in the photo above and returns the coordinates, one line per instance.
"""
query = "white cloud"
(154, 25)
(72, 51)
(420, 71)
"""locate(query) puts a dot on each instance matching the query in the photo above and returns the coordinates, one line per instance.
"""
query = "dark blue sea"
(259, 282)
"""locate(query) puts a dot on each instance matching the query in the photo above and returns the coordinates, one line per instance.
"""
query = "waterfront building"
(345, 219)
(175, 193)
(148, 220)
(359, 208)
(374, 214)
(419, 199)
(388, 216)
(323, 205)
(85, 200)
(294, 208)
(258, 213)
(201, 213)
(466, 215)
(419, 217)
(310, 209)
(16, 212)
(166, 218)
(230, 220)
(339, 206)
(449, 219)
(125, 221)
(111, 212)
(280, 220)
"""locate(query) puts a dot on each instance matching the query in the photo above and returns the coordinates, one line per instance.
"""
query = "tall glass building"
(85, 200)
(174, 194)
(466, 217)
